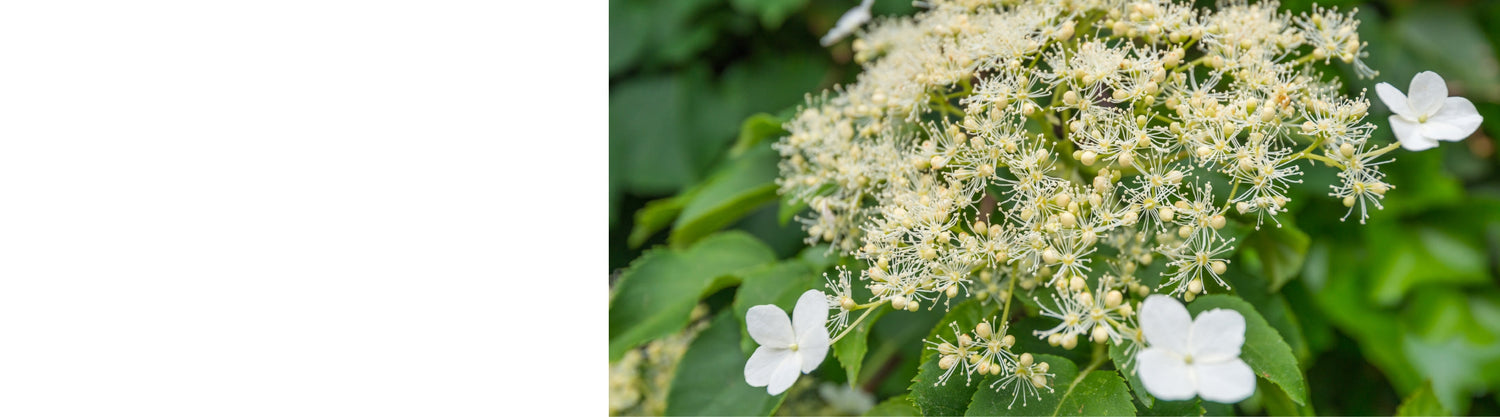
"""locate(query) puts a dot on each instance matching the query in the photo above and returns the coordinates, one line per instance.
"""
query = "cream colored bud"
(1184, 232)
(1113, 299)
(1349, 201)
(1088, 157)
(1070, 341)
(1126, 159)
(1066, 219)
(1026, 359)
(1219, 267)
(1189, 297)
(952, 290)
(1195, 286)
(1217, 221)
(1050, 256)
(1126, 310)
(911, 305)
(1054, 340)
(1083, 297)
(947, 361)
(983, 330)
(1166, 214)
(846, 303)
(1346, 149)
(1070, 98)
(899, 302)
(1100, 333)
(1077, 284)
(1243, 206)
(1062, 199)
(1007, 341)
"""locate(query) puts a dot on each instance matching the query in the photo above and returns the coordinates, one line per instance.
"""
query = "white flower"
(1189, 357)
(788, 347)
(847, 23)
(1428, 114)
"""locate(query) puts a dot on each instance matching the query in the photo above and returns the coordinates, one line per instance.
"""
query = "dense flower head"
(1056, 149)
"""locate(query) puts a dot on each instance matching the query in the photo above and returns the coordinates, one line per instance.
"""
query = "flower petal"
(1166, 323)
(1217, 335)
(1393, 99)
(1410, 135)
(810, 316)
(847, 23)
(763, 363)
(1427, 93)
(1226, 382)
(769, 326)
(785, 374)
(813, 348)
(1454, 122)
(1165, 375)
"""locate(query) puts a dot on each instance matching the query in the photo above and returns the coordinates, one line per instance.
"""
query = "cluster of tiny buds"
(996, 149)
(986, 351)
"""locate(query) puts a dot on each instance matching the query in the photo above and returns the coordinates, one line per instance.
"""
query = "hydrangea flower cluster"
(1000, 148)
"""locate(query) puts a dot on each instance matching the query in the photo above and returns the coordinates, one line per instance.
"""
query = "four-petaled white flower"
(788, 347)
(1428, 114)
(1187, 357)
(847, 23)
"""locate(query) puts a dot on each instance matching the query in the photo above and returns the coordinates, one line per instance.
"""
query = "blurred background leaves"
(1398, 315)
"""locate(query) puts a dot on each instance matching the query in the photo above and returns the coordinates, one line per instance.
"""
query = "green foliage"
(1280, 252)
(951, 398)
(743, 185)
(1117, 355)
(778, 284)
(1264, 350)
(710, 379)
(852, 348)
(656, 295)
(1422, 403)
(1098, 393)
(895, 406)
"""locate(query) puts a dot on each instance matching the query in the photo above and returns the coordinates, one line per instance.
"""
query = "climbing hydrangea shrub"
(1052, 150)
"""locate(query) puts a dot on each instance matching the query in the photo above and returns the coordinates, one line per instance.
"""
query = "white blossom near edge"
(1186, 357)
(847, 23)
(788, 347)
(1428, 115)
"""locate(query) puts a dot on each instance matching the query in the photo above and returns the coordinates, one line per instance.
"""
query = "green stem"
(852, 325)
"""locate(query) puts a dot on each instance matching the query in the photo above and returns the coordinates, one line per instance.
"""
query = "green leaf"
(1098, 393)
(657, 215)
(1425, 255)
(710, 379)
(1281, 252)
(1422, 403)
(1264, 350)
(777, 284)
(743, 185)
(899, 405)
(952, 398)
(756, 129)
(646, 139)
(656, 294)
(1117, 354)
(1189, 408)
(1278, 404)
(852, 348)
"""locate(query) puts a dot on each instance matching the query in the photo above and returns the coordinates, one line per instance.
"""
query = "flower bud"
(1076, 284)
(983, 330)
(1113, 299)
(1195, 286)
(899, 302)
(1070, 341)
(947, 361)
(1100, 334)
